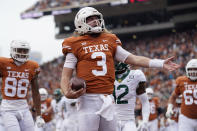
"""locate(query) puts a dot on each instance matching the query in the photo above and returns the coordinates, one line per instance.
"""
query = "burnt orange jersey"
(154, 104)
(16, 79)
(188, 89)
(44, 106)
(95, 57)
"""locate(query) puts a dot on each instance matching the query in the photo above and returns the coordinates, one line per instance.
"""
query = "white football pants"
(153, 125)
(187, 124)
(126, 126)
(88, 120)
(20, 120)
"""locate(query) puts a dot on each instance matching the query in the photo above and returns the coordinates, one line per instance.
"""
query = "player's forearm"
(144, 61)
(65, 79)
(36, 100)
(137, 60)
(172, 98)
(145, 107)
(36, 96)
(64, 85)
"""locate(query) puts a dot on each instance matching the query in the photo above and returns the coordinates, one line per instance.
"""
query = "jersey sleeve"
(66, 47)
(177, 88)
(36, 68)
(116, 40)
(141, 76)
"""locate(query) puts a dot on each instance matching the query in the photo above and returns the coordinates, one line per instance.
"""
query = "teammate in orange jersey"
(187, 86)
(92, 52)
(155, 110)
(172, 120)
(18, 73)
(46, 111)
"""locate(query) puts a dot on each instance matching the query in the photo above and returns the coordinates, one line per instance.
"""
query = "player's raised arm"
(142, 61)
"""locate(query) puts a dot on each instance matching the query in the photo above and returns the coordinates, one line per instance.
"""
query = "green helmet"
(121, 68)
(57, 94)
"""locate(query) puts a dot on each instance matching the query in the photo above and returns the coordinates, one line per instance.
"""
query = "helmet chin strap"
(18, 63)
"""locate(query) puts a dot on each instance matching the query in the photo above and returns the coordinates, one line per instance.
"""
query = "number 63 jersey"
(15, 82)
(95, 60)
(188, 89)
(125, 93)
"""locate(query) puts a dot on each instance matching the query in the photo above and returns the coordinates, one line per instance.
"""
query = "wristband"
(156, 63)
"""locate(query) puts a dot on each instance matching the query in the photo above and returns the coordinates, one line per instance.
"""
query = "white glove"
(170, 111)
(143, 126)
(39, 121)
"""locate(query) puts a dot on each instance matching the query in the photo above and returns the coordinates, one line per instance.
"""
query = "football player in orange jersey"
(92, 52)
(172, 120)
(18, 73)
(187, 86)
(155, 110)
(46, 111)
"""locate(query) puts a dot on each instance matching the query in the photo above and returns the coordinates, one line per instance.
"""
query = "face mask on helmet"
(121, 68)
(191, 69)
(43, 94)
(19, 50)
(57, 94)
(89, 20)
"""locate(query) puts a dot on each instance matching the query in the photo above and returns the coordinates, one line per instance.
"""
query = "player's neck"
(18, 63)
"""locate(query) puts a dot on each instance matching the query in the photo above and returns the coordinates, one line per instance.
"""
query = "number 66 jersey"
(15, 82)
(188, 89)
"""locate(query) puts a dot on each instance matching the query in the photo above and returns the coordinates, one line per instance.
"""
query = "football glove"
(170, 111)
(39, 121)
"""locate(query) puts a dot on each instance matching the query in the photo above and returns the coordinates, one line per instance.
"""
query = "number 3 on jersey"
(17, 88)
(100, 63)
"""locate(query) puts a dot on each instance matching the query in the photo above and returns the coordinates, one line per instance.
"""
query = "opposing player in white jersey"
(70, 122)
(18, 73)
(59, 108)
(129, 85)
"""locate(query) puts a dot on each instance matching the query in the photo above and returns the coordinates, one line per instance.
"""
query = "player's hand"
(170, 111)
(169, 65)
(143, 126)
(39, 121)
(71, 94)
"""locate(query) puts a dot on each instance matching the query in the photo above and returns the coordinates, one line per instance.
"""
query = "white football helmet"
(80, 21)
(149, 92)
(43, 94)
(191, 74)
(19, 50)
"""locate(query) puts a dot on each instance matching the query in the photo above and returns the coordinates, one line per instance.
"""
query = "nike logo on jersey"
(84, 43)
(96, 48)
(18, 74)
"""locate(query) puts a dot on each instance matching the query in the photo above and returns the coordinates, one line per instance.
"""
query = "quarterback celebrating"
(17, 74)
(187, 87)
(92, 52)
